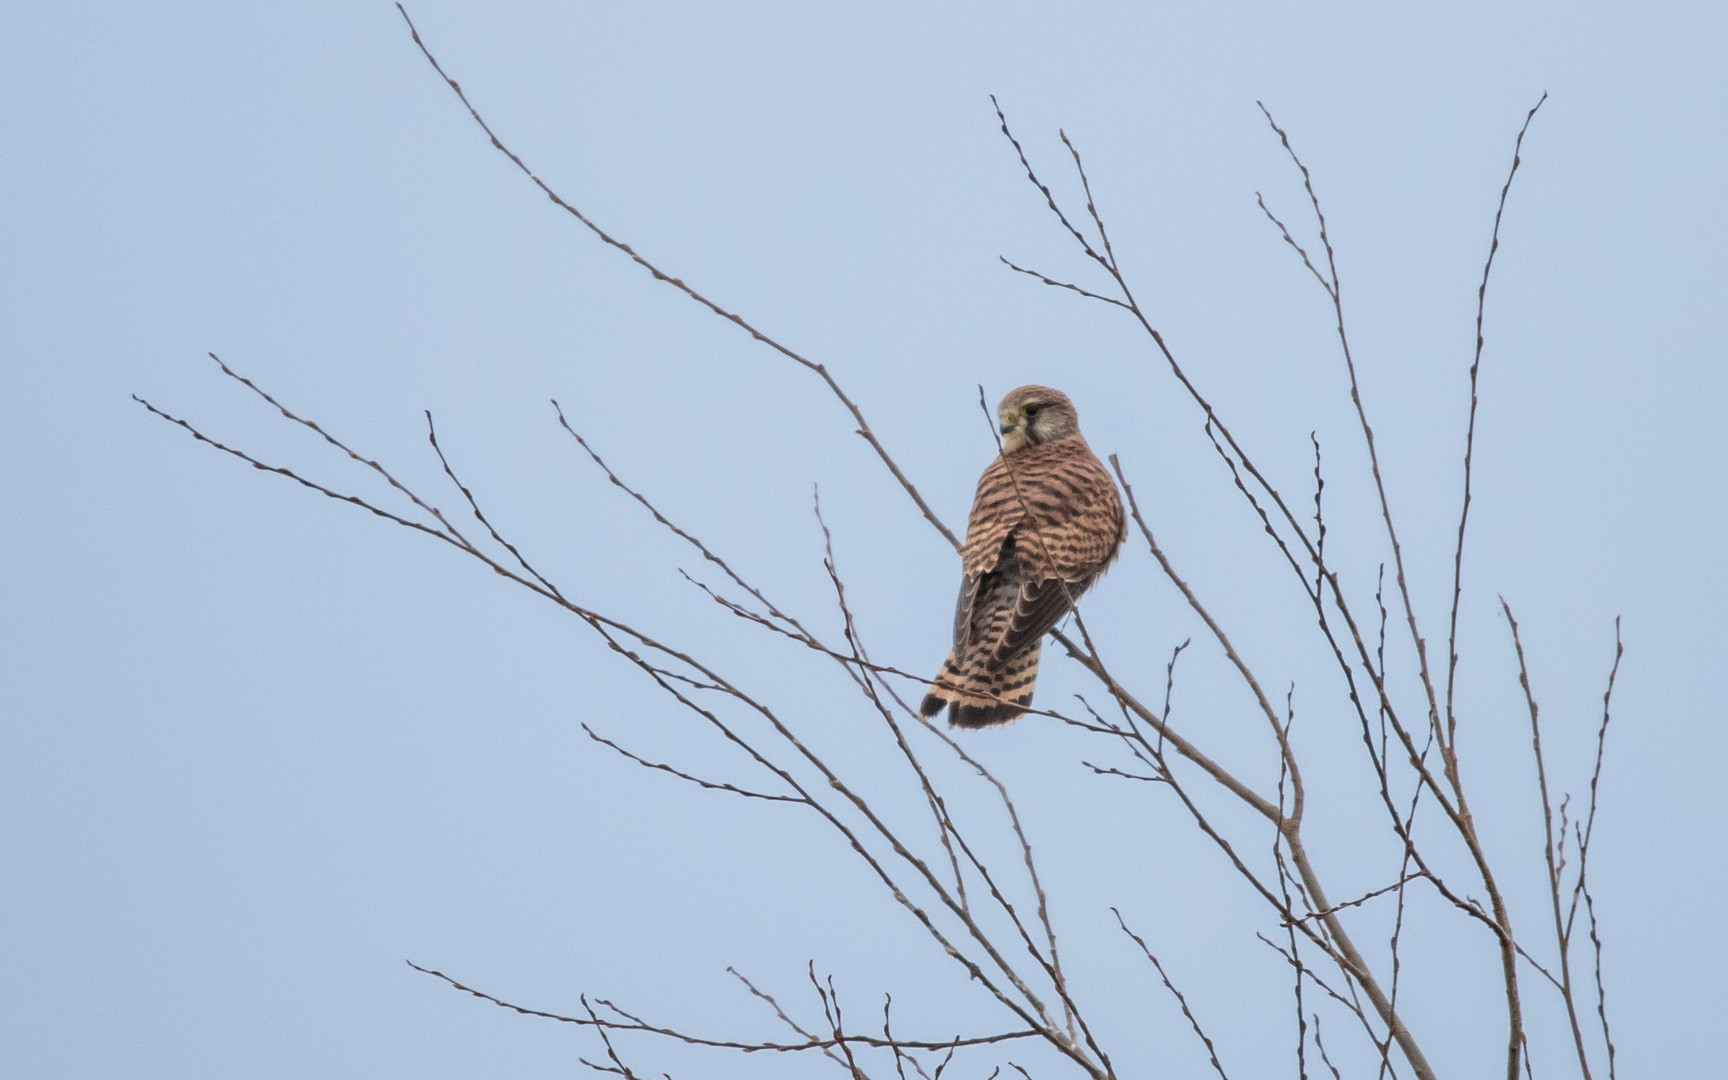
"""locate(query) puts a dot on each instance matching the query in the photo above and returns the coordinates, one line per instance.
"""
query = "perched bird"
(1045, 523)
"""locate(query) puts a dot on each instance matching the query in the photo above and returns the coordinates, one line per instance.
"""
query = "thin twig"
(863, 429)
(1193, 1022)
(814, 1043)
(1560, 935)
(1470, 430)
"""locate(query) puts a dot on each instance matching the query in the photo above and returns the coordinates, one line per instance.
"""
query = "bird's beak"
(1009, 423)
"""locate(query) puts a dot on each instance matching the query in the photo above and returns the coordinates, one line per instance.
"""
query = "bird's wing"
(963, 609)
(1038, 605)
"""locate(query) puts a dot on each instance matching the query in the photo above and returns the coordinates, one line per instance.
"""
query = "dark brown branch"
(313, 426)
(1050, 199)
(763, 995)
(900, 1056)
(1320, 1043)
(1070, 286)
(1352, 1006)
(813, 1043)
(1584, 836)
(1560, 935)
(1193, 1022)
(697, 780)
(1091, 203)
(618, 1066)
(830, 999)
(354, 500)
(1313, 976)
(1363, 899)
(473, 505)
(1470, 430)
(670, 526)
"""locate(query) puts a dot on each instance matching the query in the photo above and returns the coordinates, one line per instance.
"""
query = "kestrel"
(1045, 524)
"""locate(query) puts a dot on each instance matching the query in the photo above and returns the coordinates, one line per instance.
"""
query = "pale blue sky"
(257, 748)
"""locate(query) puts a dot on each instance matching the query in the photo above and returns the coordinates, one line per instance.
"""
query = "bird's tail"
(978, 697)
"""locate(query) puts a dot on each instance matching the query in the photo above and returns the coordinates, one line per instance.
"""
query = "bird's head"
(1032, 415)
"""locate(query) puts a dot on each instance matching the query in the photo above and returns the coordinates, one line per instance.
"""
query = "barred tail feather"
(978, 697)
(944, 689)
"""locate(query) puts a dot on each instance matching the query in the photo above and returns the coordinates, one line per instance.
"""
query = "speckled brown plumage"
(1045, 524)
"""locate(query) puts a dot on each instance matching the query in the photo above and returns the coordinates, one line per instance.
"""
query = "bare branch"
(1470, 430)
(1211, 1050)
(698, 781)
(1070, 286)
(863, 429)
(1560, 934)
(813, 1043)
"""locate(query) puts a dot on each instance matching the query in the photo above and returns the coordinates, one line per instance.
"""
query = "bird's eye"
(1032, 410)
